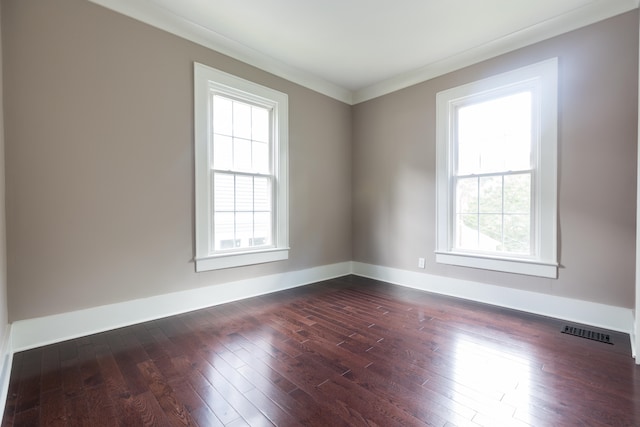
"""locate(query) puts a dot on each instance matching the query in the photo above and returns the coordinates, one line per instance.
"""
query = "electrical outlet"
(420, 262)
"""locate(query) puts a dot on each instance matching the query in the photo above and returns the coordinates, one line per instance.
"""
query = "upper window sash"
(529, 87)
(267, 135)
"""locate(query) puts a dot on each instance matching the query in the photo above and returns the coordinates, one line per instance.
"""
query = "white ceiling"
(354, 50)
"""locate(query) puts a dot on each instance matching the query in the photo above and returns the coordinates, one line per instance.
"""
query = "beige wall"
(99, 149)
(394, 167)
(99, 163)
(3, 236)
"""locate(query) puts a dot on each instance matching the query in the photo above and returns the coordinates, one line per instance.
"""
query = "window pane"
(467, 231)
(224, 236)
(495, 135)
(467, 195)
(490, 194)
(222, 115)
(260, 124)
(244, 193)
(223, 192)
(260, 157)
(517, 193)
(244, 228)
(262, 194)
(490, 232)
(517, 234)
(241, 154)
(262, 229)
(222, 152)
(241, 120)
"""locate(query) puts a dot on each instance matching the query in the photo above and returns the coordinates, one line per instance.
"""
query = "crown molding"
(150, 13)
(565, 23)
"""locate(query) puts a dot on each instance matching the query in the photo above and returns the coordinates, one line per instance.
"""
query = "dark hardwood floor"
(348, 351)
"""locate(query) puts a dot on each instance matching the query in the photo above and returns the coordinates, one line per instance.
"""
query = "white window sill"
(507, 265)
(218, 262)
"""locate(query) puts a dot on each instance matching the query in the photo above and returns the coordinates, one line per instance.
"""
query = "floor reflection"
(493, 381)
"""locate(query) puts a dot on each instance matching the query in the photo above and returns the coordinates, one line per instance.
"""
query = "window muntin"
(241, 151)
(497, 172)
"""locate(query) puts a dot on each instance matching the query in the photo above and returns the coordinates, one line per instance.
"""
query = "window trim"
(206, 79)
(544, 262)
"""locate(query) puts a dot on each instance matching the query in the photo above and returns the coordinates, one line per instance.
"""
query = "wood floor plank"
(29, 387)
(77, 411)
(51, 378)
(52, 410)
(147, 410)
(30, 417)
(12, 392)
(205, 417)
(221, 408)
(174, 408)
(349, 351)
(100, 406)
(291, 398)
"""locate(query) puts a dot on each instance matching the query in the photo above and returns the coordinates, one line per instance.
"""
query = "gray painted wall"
(4, 316)
(394, 167)
(99, 146)
(99, 163)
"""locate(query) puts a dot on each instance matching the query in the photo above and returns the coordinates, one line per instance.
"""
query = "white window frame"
(206, 81)
(544, 77)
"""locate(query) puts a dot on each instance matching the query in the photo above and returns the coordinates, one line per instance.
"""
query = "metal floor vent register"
(586, 333)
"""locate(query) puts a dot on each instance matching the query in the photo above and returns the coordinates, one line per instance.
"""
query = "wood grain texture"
(345, 352)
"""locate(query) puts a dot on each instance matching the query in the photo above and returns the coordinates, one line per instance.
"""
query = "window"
(241, 133)
(497, 172)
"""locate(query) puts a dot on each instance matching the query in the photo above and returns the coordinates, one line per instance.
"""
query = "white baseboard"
(634, 338)
(31, 333)
(578, 311)
(6, 362)
(42, 331)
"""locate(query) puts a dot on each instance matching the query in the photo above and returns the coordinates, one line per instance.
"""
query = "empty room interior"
(319, 213)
